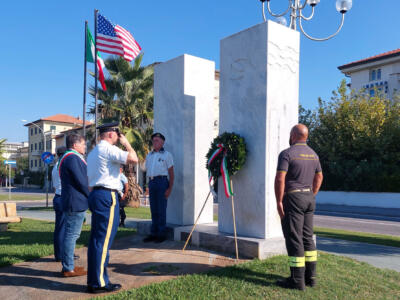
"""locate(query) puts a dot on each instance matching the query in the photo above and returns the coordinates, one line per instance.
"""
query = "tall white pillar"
(259, 84)
(183, 112)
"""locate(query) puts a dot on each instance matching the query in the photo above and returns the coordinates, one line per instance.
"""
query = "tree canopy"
(356, 137)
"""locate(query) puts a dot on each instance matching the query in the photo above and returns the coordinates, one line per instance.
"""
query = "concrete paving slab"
(376, 255)
(132, 264)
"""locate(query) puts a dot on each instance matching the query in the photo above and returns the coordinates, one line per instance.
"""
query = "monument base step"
(207, 236)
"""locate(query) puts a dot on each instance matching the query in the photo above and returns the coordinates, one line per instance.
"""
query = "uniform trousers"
(105, 219)
(158, 205)
(297, 226)
(59, 229)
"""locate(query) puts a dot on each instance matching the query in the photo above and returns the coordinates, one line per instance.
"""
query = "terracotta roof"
(385, 55)
(61, 118)
(62, 133)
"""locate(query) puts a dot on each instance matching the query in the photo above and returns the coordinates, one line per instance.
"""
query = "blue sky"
(41, 70)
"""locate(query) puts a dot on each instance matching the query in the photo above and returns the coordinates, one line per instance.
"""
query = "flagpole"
(95, 72)
(84, 83)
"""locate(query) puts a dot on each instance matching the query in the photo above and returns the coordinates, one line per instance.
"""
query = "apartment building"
(42, 134)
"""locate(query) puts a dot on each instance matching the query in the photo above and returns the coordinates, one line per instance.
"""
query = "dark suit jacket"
(74, 184)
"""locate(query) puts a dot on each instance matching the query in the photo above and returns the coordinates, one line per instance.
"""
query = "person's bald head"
(299, 133)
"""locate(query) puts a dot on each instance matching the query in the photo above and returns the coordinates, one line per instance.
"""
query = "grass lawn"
(138, 213)
(339, 278)
(365, 237)
(32, 239)
(20, 197)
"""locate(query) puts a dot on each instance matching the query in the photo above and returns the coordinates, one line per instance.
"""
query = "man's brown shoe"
(78, 271)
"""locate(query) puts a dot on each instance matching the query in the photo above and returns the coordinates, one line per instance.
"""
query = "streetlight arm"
(304, 4)
(307, 18)
(321, 39)
(272, 14)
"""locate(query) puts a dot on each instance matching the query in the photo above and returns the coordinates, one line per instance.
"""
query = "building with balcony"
(42, 134)
(12, 150)
(376, 73)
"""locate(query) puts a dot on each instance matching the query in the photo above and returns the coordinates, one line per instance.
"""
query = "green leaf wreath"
(236, 153)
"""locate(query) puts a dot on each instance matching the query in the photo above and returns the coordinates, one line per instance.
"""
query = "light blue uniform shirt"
(103, 165)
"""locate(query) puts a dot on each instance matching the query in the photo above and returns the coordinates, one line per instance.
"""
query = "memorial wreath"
(225, 158)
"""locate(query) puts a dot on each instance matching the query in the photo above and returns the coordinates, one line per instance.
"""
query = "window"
(31, 147)
(35, 130)
(372, 93)
(35, 146)
(40, 163)
(40, 145)
(31, 131)
(375, 74)
(53, 127)
(31, 163)
(35, 163)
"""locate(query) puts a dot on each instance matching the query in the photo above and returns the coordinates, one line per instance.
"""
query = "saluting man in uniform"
(160, 174)
(297, 181)
(104, 162)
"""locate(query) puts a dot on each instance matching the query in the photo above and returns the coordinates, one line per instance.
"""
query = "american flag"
(114, 39)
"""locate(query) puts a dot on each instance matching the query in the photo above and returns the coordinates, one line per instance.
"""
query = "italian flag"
(90, 58)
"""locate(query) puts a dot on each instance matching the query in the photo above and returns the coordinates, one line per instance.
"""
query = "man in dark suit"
(75, 191)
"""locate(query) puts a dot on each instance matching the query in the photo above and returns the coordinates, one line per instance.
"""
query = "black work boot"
(311, 274)
(295, 281)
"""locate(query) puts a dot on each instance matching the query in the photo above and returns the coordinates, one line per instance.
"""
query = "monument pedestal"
(259, 83)
(207, 236)
(183, 112)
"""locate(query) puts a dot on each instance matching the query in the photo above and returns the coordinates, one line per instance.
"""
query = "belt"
(98, 187)
(298, 191)
(159, 176)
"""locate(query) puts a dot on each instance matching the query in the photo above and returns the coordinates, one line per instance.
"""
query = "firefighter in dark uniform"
(103, 166)
(297, 181)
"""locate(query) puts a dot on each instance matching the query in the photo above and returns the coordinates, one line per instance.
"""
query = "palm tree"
(129, 99)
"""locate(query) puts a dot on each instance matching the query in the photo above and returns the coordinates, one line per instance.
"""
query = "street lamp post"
(295, 7)
(46, 180)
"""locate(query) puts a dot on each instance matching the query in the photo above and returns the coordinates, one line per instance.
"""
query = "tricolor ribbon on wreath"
(224, 170)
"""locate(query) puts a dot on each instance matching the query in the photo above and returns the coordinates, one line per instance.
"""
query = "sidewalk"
(376, 255)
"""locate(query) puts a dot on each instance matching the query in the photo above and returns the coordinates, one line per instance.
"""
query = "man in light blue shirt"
(59, 229)
(104, 163)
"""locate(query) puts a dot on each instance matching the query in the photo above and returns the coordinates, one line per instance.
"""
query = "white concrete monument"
(259, 85)
(183, 112)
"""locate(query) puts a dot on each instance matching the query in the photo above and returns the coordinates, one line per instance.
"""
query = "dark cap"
(109, 127)
(157, 134)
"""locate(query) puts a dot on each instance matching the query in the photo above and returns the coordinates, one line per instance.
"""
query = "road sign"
(10, 162)
(47, 157)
